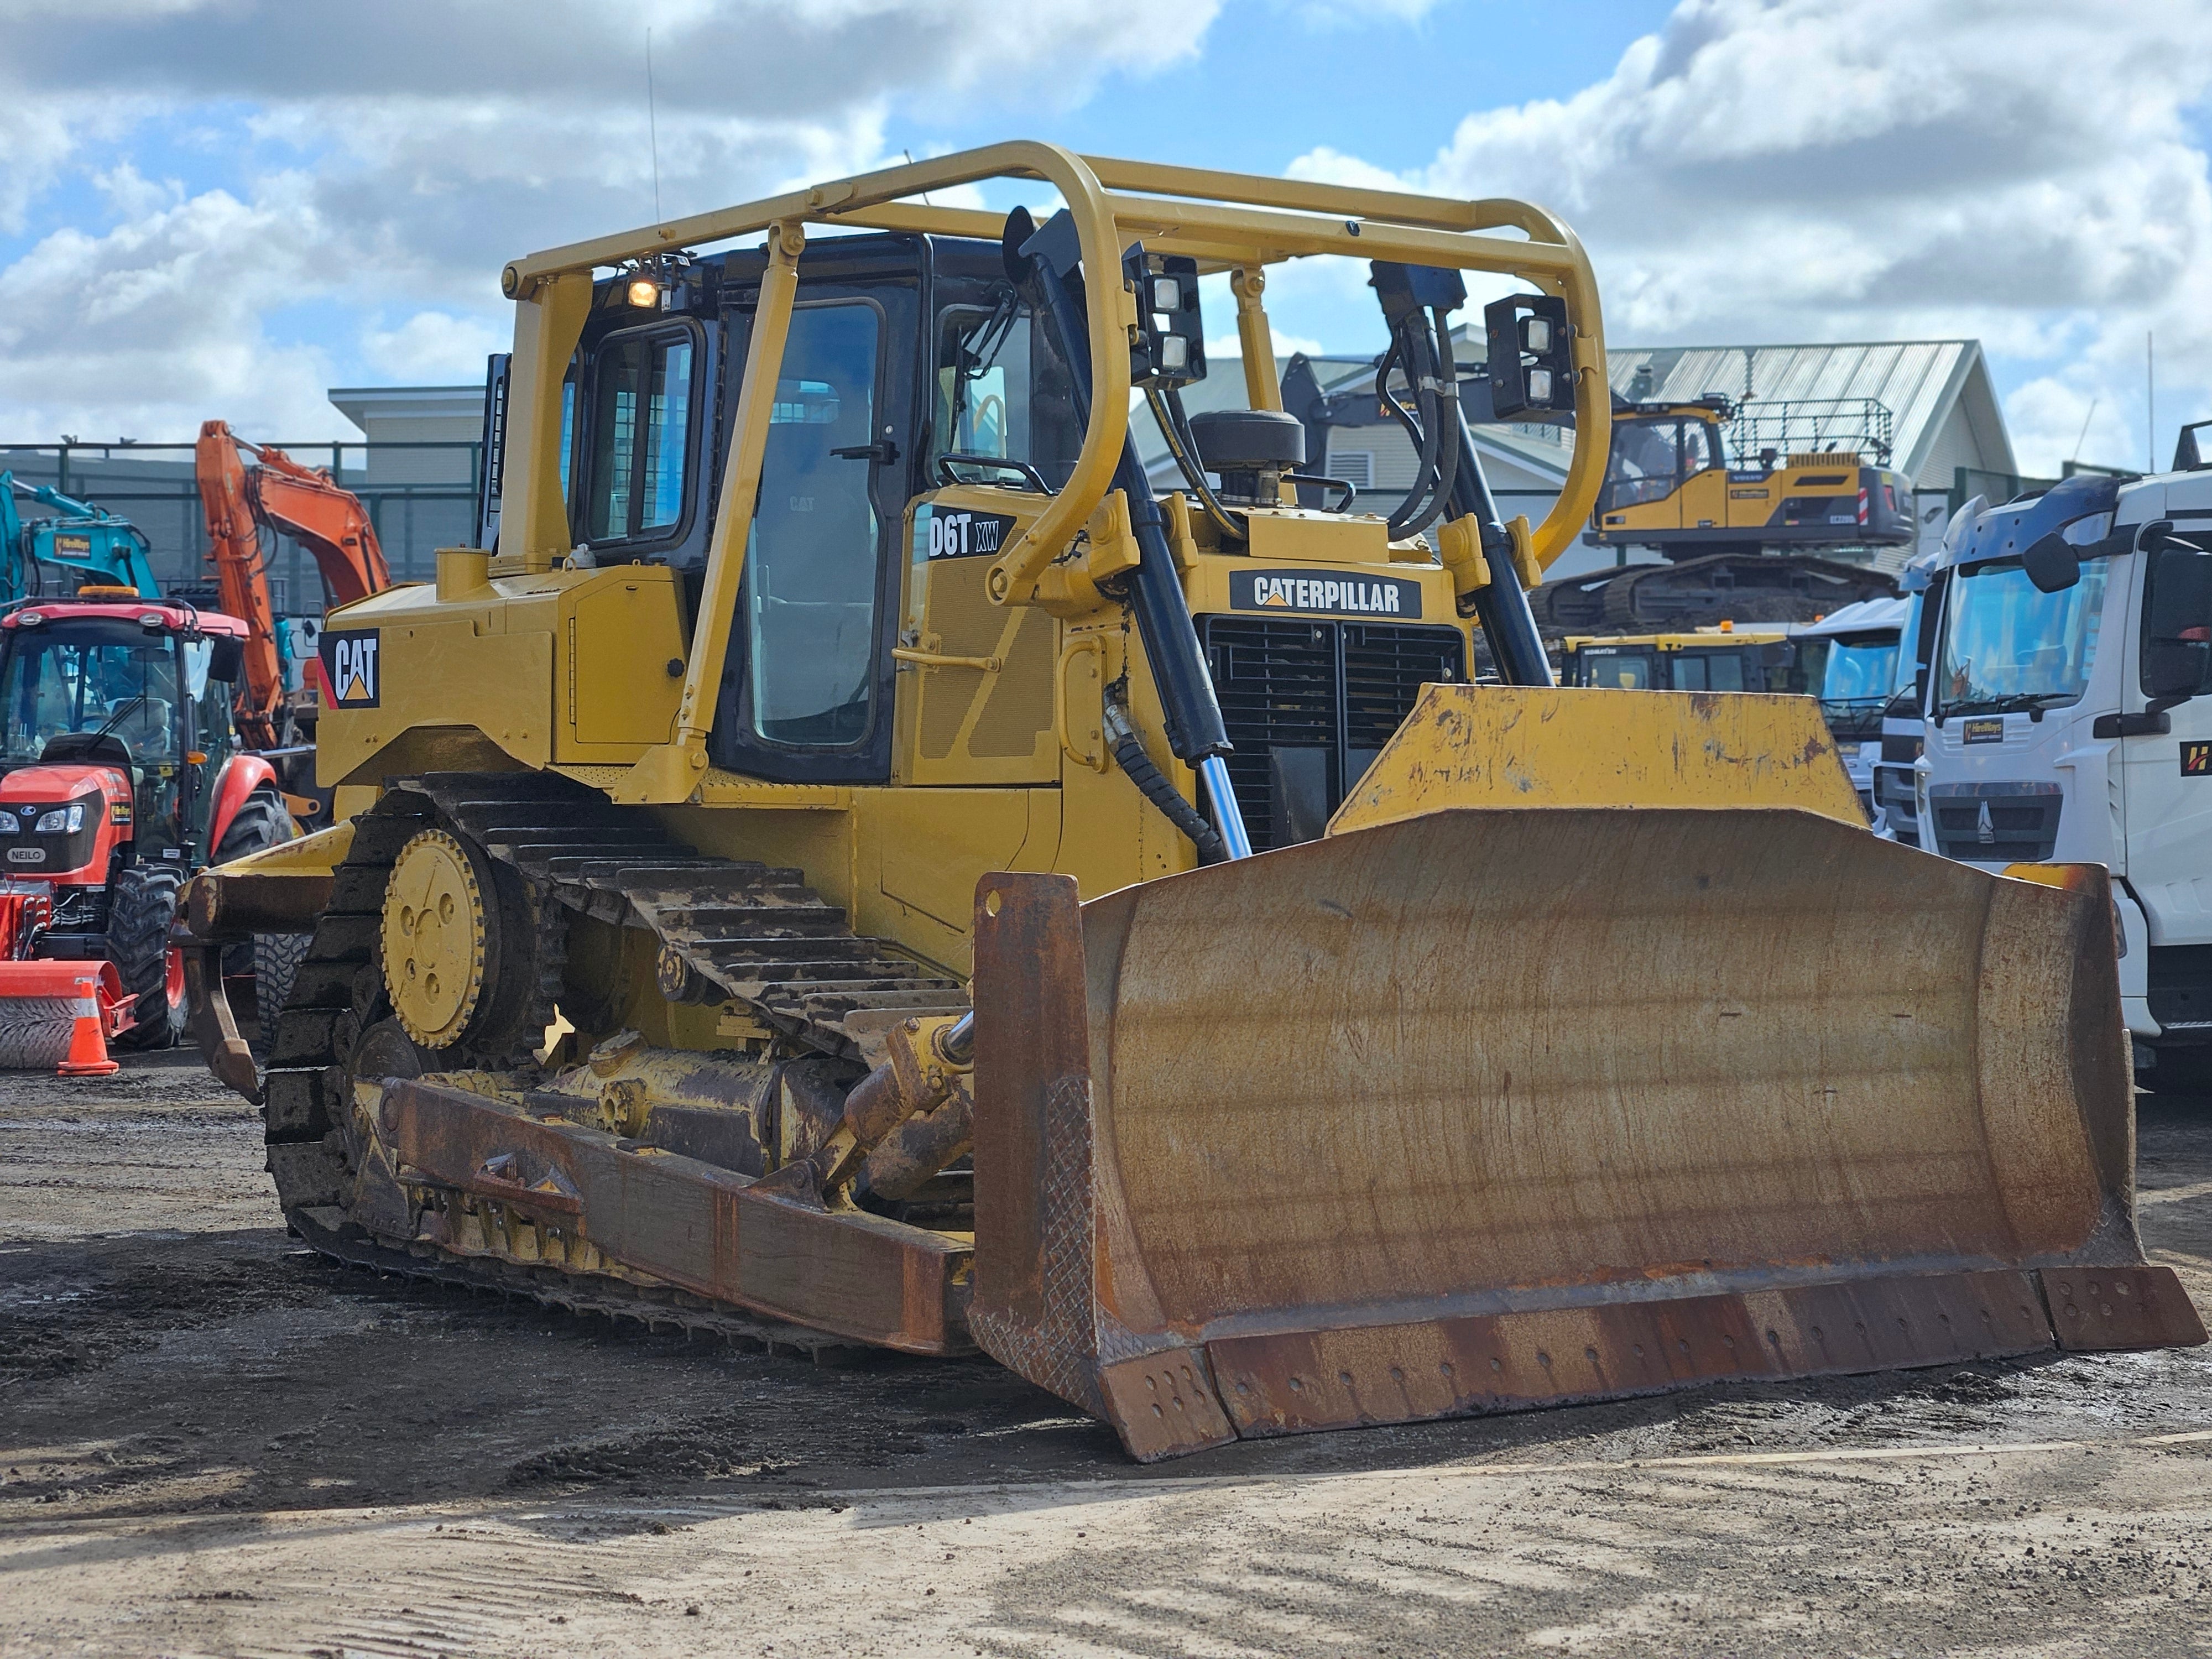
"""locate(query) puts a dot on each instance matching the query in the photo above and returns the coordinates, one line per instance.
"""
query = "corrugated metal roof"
(1918, 381)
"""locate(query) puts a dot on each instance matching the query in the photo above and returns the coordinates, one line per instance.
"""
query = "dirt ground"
(212, 1443)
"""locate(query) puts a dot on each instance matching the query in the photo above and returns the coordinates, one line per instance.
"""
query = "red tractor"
(120, 775)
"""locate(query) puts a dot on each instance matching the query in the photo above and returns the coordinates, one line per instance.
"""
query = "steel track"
(751, 933)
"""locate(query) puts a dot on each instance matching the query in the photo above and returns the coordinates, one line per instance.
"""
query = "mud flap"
(1480, 1110)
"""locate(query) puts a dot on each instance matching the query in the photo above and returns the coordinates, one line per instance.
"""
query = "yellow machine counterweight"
(858, 863)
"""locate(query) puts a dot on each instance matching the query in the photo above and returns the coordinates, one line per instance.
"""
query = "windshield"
(1860, 672)
(2006, 645)
(1642, 466)
(81, 679)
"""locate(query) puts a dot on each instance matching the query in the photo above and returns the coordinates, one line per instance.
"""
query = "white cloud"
(439, 141)
(148, 330)
(2019, 170)
(433, 348)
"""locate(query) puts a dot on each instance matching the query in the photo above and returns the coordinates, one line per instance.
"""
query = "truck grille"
(1996, 823)
(1308, 704)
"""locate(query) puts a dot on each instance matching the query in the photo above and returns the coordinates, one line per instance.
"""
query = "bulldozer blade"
(1478, 1111)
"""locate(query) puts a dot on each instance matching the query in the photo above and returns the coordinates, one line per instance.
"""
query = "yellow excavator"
(1808, 474)
(854, 864)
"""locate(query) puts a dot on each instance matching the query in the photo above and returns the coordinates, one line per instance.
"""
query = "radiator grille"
(1341, 688)
(1996, 824)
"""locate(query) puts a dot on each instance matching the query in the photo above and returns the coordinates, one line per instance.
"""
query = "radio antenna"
(653, 126)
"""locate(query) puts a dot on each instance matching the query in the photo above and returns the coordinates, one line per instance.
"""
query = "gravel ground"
(212, 1443)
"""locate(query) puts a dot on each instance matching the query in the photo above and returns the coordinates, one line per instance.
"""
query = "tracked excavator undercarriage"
(915, 885)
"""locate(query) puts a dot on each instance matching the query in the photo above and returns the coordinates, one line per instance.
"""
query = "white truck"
(1848, 659)
(2068, 715)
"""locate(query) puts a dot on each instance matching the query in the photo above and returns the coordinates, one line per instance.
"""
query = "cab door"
(1642, 475)
(2167, 774)
(1704, 494)
(807, 694)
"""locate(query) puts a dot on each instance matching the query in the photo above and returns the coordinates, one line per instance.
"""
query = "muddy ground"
(211, 1442)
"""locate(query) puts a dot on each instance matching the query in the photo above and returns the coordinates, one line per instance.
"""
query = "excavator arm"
(299, 501)
(234, 549)
(325, 518)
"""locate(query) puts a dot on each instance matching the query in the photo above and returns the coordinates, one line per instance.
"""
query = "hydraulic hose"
(1194, 726)
(1129, 755)
(1175, 427)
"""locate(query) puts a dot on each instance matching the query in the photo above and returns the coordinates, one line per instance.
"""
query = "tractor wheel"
(144, 905)
(264, 821)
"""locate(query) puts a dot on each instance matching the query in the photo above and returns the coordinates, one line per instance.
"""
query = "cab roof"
(168, 616)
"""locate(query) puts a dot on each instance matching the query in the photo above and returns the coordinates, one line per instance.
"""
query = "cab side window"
(1003, 392)
(1642, 467)
(641, 436)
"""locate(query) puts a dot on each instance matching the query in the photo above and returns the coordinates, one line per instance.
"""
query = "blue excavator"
(78, 538)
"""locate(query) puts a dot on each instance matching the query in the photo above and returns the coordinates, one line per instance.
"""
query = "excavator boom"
(234, 550)
(327, 518)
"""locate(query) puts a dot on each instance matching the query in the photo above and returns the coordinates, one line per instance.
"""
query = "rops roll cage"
(1225, 221)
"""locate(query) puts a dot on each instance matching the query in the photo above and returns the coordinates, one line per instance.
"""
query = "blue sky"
(223, 207)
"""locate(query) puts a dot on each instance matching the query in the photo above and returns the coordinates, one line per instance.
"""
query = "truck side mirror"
(2051, 564)
(2177, 621)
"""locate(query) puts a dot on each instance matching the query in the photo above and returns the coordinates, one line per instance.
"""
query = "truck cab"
(1848, 659)
(2068, 721)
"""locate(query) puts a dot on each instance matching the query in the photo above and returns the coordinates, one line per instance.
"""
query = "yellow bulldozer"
(855, 864)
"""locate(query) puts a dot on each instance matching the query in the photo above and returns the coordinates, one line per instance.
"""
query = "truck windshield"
(2006, 645)
(1860, 670)
(80, 677)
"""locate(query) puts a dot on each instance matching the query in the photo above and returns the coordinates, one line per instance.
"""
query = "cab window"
(1616, 671)
(1709, 670)
(1002, 391)
(1642, 467)
(1699, 452)
(641, 436)
(810, 594)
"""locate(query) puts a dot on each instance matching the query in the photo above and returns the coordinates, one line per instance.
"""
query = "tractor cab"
(114, 723)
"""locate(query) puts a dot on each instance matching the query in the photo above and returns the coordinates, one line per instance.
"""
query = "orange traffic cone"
(88, 1053)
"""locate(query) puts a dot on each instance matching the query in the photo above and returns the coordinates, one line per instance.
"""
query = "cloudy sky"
(225, 207)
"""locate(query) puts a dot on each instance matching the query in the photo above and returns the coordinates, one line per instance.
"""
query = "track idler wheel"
(459, 944)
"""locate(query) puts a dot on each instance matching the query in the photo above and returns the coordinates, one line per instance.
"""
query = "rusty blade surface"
(1482, 1060)
(701, 1229)
(1325, 1379)
(1484, 1110)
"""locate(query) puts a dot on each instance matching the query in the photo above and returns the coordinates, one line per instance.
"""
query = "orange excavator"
(305, 504)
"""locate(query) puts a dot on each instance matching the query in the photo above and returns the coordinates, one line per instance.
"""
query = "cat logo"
(1340, 595)
(349, 665)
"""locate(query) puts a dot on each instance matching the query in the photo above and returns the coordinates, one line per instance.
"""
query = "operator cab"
(116, 710)
(924, 411)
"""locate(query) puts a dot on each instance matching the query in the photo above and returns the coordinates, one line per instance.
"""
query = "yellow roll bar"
(1228, 221)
